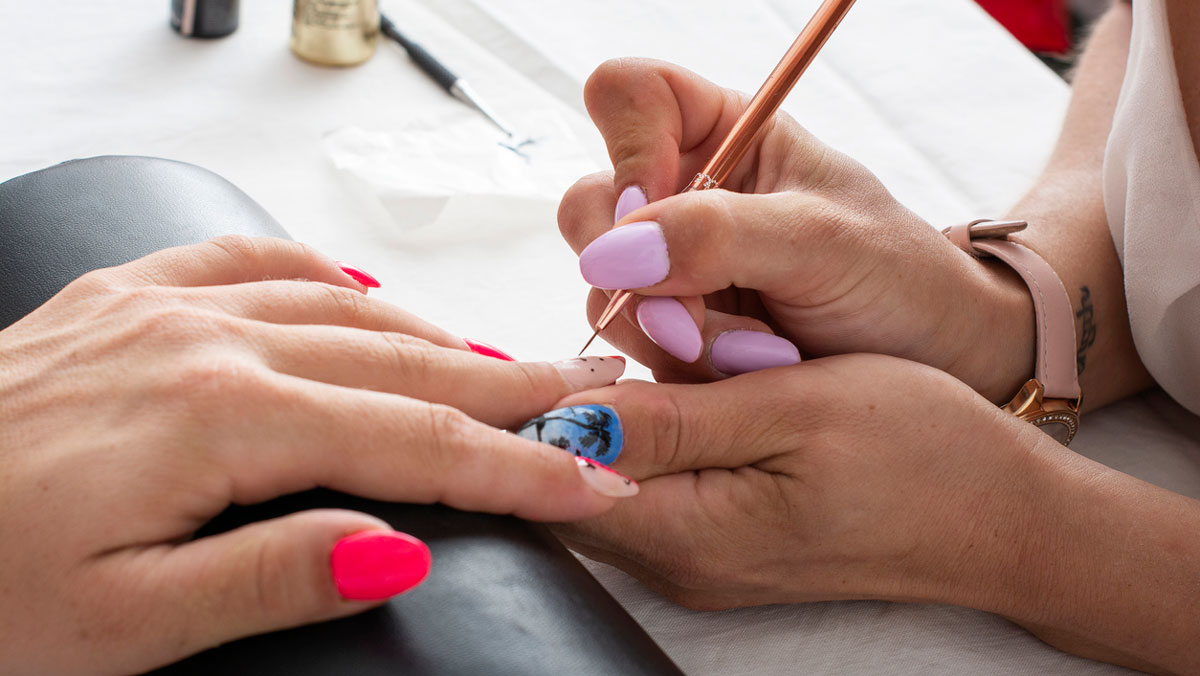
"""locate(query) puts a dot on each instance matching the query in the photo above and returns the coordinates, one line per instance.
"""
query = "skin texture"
(871, 476)
(143, 400)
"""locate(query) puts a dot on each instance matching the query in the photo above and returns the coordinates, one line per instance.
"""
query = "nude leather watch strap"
(1056, 366)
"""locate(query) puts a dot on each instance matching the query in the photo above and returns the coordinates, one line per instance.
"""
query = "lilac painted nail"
(629, 257)
(632, 199)
(667, 322)
(735, 352)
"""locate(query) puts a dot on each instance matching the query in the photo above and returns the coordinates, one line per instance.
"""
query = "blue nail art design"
(591, 431)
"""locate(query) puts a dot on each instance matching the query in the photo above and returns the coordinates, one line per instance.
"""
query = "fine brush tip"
(588, 344)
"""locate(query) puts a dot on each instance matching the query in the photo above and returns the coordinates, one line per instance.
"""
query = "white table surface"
(951, 113)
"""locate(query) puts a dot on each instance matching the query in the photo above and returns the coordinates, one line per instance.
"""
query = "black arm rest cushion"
(504, 597)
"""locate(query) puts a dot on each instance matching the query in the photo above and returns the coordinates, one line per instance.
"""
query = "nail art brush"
(453, 84)
(764, 104)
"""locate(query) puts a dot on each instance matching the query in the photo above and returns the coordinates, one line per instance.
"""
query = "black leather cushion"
(58, 223)
(504, 596)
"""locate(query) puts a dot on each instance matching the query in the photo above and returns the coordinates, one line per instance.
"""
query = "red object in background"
(1041, 25)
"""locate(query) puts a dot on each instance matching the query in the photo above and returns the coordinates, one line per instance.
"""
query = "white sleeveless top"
(1152, 197)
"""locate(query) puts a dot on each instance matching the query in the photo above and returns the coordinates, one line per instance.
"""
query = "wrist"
(998, 356)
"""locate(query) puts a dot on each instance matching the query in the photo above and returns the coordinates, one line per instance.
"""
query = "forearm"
(1108, 566)
(1069, 227)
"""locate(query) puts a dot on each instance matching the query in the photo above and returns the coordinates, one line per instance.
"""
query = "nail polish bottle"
(204, 18)
(335, 32)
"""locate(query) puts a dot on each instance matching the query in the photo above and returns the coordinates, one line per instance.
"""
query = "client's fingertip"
(374, 565)
(605, 480)
(586, 373)
(358, 275)
(590, 431)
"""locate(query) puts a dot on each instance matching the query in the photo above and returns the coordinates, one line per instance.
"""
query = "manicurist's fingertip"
(737, 352)
(667, 322)
(632, 198)
(629, 257)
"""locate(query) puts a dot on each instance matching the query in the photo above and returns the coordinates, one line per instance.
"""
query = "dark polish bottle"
(204, 18)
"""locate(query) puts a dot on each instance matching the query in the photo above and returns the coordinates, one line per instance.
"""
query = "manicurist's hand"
(804, 248)
(847, 477)
(870, 477)
(143, 400)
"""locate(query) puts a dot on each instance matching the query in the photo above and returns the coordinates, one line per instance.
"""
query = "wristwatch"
(1050, 400)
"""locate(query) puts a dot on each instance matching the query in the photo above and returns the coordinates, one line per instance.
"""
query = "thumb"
(653, 115)
(302, 568)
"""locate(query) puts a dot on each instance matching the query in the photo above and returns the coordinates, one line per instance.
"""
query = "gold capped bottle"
(335, 32)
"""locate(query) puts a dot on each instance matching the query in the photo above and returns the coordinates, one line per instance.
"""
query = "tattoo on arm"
(1087, 321)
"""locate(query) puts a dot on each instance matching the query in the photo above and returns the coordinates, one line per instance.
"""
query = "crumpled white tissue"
(455, 177)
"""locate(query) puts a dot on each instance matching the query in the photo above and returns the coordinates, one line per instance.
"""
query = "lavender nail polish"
(632, 199)
(629, 257)
(667, 322)
(737, 352)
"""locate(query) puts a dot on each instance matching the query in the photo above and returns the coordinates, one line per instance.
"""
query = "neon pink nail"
(487, 350)
(378, 564)
(358, 275)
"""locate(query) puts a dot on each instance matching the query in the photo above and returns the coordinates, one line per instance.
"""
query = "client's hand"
(803, 242)
(143, 400)
(848, 477)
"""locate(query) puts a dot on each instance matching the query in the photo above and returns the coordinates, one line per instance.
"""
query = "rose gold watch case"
(1057, 417)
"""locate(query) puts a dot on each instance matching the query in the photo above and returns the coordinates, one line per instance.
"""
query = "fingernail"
(667, 322)
(629, 257)
(585, 373)
(606, 481)
(590, 431)
(378, 564)
(358, 275)
(737, 352)
(631, 199)
(487, 350)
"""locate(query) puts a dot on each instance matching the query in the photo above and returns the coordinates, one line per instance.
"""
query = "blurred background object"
(1052, 29)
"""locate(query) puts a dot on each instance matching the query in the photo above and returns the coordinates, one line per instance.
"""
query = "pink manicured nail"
(487, 350)
(632, 199)
(605, 480)
(735, 352)
(667, 322)
(358, 275)
(378, 564)
(629, 257)
(585, 373)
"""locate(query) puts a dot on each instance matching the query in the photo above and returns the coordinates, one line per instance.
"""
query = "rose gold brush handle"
(764, 104)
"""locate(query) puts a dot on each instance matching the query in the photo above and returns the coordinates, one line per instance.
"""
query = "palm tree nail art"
(590, 431)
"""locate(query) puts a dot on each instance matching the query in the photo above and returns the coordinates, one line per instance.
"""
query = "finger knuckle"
(411, 359)
(244, 251)
(97, 282)
(346, 305)
(273, 569)
(448, 429)
(662, 414)
(211, 390)
(159, 319)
